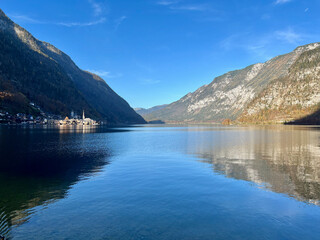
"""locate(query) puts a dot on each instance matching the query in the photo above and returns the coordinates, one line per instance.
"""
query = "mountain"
(237, 95)
(143, 111)
(293, 98)
(36, 71)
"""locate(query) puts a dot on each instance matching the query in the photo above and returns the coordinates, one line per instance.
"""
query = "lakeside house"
(76, 121)
(44, 119)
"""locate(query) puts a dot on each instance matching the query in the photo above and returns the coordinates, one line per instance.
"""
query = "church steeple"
(83, 117)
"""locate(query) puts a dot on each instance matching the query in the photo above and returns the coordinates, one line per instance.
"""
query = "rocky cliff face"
(229, 95)
(32, 70)
(293, 96)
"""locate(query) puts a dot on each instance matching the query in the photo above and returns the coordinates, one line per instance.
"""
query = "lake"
(160, 182)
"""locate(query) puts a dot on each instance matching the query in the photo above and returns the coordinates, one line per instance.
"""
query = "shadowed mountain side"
(27, 75)
(312, 119)
(36, 71)
(95, 90)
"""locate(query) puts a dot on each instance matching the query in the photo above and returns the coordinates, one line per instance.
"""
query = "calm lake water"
(160, 182)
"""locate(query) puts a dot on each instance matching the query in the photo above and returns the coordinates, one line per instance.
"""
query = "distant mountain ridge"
(235, 95)
(36, 71)
(143, 111)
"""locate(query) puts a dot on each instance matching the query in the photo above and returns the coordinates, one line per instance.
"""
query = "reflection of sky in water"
(154, 182)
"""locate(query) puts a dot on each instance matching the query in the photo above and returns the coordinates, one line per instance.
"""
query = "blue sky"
(153, 52)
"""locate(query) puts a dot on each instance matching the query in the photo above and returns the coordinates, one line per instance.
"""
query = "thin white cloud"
(289, 35)
(105, 74)
(27, 19)
(262, 45)
(97, 8)
(24, 18)
(97, 11)
(179, 5)
(281, 1)
(166, 3)
(260, 50)
(249, 41)
(81, 24)
(230, 42)
(194, 7)
(119, 21)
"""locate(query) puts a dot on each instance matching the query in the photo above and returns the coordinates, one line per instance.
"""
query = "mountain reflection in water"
(282, 159)
(38, 166)
(156, 182)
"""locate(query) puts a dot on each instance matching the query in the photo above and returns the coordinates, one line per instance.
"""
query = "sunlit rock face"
(232, 94)
(293, 96)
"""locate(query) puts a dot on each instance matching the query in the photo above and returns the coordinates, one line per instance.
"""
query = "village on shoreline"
(46, 119)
